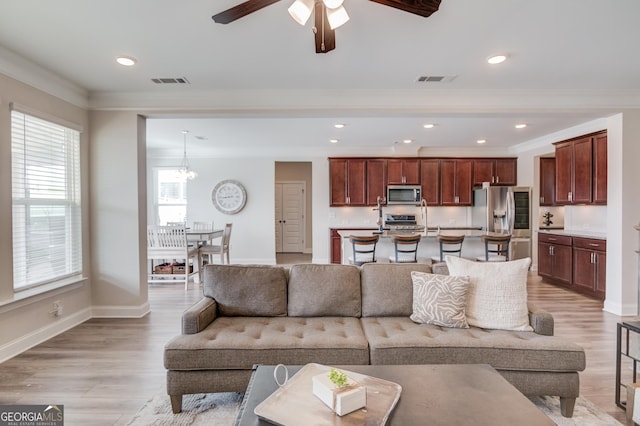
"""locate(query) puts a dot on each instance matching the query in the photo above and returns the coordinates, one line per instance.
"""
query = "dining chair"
(496, 248)
(210, 249)
(203, 226)
(448, 244)
(405, 248)
(169, 243)
(364, 249)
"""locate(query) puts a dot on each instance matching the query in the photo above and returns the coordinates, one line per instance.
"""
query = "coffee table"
(431, 394)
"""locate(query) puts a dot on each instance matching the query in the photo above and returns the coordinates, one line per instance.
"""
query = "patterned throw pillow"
(498, 295)
(439, 299)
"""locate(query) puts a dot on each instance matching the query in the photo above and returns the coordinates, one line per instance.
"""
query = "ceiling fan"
(325, 38)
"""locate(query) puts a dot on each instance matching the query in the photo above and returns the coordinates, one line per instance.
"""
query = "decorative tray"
(295, 404)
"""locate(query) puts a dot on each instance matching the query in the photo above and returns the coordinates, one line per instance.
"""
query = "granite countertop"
(575, 233)
(467, 232)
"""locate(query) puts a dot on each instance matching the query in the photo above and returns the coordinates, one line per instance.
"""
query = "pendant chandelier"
(184, 170)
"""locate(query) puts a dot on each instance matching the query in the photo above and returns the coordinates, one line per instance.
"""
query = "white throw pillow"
(498, 295)
(439, 299)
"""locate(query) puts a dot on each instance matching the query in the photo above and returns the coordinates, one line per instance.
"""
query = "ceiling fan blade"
(241, 10)
(419, 7)
(324, 35)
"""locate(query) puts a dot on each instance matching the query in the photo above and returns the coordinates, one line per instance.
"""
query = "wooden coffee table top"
(431, 394)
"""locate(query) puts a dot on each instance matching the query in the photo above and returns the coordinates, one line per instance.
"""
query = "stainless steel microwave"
(404, 194)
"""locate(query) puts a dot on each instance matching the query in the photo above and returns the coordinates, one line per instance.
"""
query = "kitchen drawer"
(590, 243)
(564, 240)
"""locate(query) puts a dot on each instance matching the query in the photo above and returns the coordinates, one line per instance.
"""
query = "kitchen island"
(428, 247)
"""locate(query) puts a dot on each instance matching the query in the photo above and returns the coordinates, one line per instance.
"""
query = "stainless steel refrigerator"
(505, 210)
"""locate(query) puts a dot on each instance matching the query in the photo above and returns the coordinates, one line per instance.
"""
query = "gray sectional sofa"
(345, 315)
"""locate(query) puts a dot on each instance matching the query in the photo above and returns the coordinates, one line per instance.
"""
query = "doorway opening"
(293, 221)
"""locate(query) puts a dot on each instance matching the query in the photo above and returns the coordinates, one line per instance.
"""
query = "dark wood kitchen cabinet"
(348, 181)
(547, 181)
(376, 180)
(496, 171)
(600, 168)
(335, 246)
(590, 266)
(581, 171)
(555, 258)
(430, 178)
(403, 171)
(455, 182)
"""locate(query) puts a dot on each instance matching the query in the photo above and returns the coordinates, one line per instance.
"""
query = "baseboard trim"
(120, 311)
(26, 342)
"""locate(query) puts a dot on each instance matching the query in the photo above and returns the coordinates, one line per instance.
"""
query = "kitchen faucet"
(379, 222)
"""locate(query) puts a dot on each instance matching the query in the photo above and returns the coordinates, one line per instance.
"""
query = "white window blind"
(171, 196)
(47, 241)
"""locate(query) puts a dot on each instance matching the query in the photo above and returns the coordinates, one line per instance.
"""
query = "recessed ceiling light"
(407, 141)
(334, 140)
(339, 125)
(481, 141)
(496, 59)
(521, 126)
(127, 61)
(429, 126)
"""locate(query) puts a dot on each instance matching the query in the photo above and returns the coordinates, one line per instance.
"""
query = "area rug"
(221, 409)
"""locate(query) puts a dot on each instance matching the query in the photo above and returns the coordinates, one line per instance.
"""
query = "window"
(45, 181)
(171, 196)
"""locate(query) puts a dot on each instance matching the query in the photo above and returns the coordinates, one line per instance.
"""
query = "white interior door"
(289, 215)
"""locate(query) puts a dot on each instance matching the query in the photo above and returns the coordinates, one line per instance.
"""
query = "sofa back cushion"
(324, 290)
(387, 288)
(247, 290)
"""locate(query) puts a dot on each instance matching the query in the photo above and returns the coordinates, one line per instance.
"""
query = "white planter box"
(344, 400)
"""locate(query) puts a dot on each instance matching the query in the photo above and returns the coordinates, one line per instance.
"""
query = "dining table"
(203, 236)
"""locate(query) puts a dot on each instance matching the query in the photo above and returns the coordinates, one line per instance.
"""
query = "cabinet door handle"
(594, 244)
(570, 196)
(541, 200)
(457, 199)
(550, 251)
(497, 179)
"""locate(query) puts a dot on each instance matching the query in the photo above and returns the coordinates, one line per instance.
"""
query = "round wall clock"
(229, 196)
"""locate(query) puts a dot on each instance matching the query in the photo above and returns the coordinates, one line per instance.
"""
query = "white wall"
(253, 234)
(118, 214)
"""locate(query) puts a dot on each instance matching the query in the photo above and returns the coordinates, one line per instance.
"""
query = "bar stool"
(406, 248)
(496, 248)
(449, 244)
(364, 249)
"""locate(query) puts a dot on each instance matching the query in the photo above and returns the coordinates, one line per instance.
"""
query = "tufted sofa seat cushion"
(241, 342)
(398, 340)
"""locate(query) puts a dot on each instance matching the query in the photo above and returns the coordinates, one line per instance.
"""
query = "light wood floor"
(105, 369)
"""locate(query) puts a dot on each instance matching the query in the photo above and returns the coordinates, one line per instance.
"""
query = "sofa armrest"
(199, 316)
(541, 321)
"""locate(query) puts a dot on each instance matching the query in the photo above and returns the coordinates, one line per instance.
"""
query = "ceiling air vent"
(436, 78)
(179, 80)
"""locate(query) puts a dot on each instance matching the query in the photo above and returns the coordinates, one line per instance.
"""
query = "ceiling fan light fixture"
(333, 4)
(301, 10)
(337, 17)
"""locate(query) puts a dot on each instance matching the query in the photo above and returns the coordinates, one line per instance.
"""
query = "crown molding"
(400, 102)
(27, 72)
